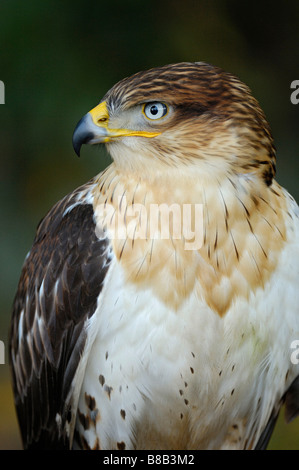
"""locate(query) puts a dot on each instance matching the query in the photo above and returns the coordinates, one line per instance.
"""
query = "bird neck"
(223, 237)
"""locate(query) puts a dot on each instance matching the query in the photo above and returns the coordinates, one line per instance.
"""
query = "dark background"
(57, 59)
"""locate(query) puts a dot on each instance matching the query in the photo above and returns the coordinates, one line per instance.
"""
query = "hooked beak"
(87, 133)
(93, 129)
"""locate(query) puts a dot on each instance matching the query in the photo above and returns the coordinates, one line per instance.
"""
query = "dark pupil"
(154, 110)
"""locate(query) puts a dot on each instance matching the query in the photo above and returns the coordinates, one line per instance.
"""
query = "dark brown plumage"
(51, 317)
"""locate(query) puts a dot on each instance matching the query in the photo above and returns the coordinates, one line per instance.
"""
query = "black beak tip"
(81, 135)
(77, 146)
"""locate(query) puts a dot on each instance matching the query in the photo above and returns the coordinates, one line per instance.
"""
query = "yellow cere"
(100, 117)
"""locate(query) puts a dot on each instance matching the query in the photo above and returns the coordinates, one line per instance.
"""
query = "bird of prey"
(138, 328)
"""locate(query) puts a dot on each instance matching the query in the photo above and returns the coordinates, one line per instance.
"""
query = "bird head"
(186, 115)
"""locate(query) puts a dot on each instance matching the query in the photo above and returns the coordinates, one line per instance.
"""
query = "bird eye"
(155, 110)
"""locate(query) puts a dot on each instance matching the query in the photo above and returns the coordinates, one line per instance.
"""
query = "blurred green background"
(57, 59)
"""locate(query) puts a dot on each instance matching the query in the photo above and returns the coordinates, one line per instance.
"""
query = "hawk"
(131, 331)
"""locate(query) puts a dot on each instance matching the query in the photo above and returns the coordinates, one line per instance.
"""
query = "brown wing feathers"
(58, 290)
